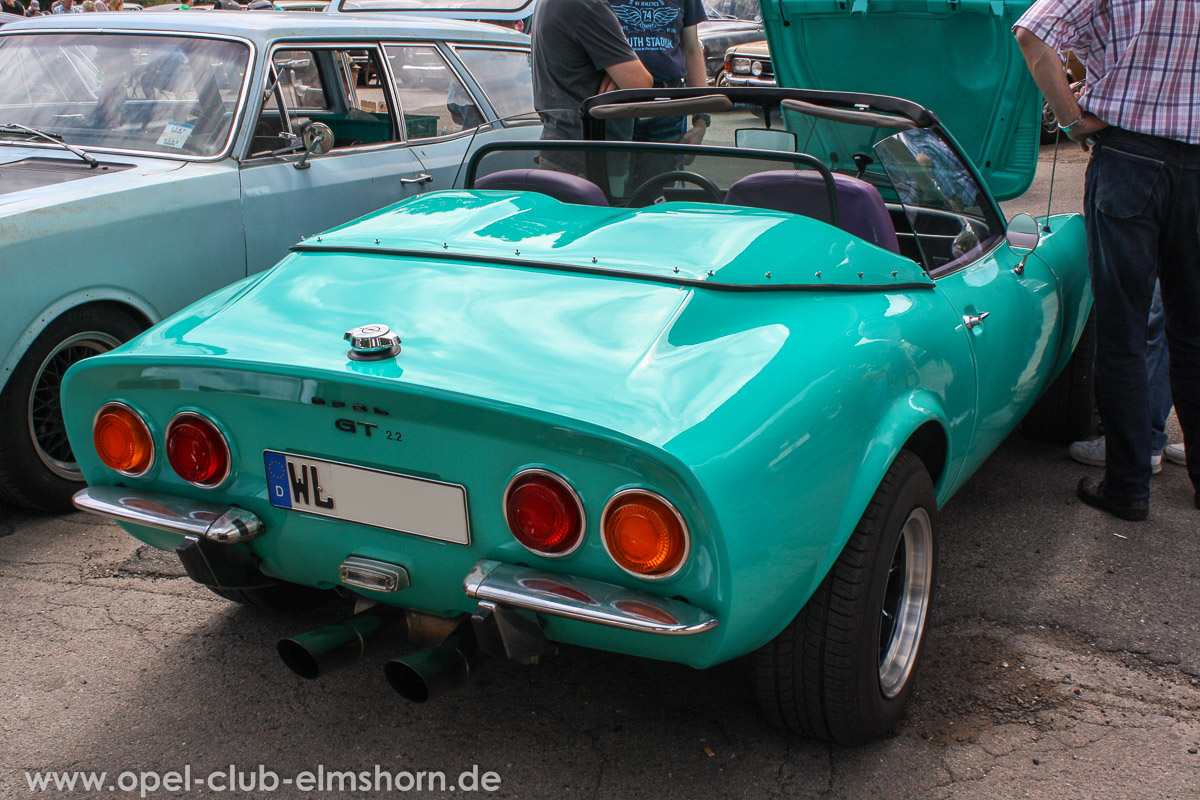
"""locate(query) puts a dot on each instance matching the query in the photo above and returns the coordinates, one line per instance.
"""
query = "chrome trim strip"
(187, 517)
(584, 599)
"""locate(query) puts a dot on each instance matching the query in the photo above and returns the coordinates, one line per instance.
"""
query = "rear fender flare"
(102, 295)
(906, 421)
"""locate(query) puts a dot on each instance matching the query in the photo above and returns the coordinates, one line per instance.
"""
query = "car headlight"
(756, 68)
(741, 65)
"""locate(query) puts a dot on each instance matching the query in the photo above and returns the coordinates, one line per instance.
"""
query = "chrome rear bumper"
(584, 599)
(224, 524)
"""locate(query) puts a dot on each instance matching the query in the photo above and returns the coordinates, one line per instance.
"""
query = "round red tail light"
(644, 534)
(197, 450)
(123, 440)
(544, 513)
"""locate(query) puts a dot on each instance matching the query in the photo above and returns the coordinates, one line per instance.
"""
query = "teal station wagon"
(687, 402)
(147, 160)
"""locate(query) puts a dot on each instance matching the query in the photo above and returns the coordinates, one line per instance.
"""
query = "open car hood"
(957, 58)
(492, 10)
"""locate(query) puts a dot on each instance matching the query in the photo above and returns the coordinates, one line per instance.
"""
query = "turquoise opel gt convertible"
(147, 160)
(688, 402)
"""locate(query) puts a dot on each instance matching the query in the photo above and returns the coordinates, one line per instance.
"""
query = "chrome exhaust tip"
(324, 650)
(429, 673)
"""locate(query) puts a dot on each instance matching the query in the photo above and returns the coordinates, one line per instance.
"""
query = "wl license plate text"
(419, 506)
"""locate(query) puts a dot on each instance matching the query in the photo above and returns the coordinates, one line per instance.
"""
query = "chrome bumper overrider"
(224, 524)
(584, 599)
(739, 80)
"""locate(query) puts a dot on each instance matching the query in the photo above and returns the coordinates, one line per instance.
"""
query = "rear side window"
(505, 77)
(432, 98)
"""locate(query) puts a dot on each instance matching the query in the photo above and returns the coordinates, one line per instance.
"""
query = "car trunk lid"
(957, 58)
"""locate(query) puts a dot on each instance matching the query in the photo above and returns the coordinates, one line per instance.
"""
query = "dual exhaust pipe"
(417, 677)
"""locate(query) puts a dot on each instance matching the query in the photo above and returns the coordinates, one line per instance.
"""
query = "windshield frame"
(239, 110)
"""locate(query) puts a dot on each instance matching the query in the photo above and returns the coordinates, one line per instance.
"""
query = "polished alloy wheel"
(45, 419)
(905, 602)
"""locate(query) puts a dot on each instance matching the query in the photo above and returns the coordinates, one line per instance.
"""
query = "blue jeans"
(1158, 372)
(1142, 202)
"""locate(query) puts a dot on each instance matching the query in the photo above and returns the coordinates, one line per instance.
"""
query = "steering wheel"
(643, 194)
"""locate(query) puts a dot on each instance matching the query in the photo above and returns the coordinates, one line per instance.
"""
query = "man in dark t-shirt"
(663, 34)
(579, 50)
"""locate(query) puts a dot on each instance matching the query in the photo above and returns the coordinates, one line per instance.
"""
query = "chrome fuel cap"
(372, 342)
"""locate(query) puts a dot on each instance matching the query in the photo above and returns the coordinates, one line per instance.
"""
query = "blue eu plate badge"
(277, 481)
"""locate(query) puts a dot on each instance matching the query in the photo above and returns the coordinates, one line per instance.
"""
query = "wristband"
(706, 118)
(1071, 127)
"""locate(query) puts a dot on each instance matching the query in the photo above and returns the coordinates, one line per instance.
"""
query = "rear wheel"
(37, 466)
(842, 671)
(1067, 411)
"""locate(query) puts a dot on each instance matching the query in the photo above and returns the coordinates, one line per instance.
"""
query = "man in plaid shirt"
(1141, 111)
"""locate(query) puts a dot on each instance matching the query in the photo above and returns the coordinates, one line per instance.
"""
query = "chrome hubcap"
(905, 602)
(45, 419)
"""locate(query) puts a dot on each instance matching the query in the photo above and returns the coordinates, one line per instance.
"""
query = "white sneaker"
(1176, 454)
(1092, 452)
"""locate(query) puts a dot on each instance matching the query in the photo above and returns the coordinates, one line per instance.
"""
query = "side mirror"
(1023, 236)
(317, 138)
(764, 139)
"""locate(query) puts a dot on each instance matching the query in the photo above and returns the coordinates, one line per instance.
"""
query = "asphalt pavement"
(1062, 661)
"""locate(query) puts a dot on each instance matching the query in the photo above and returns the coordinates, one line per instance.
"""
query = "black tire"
(842, 671)
(1067, 411)
(286, 597)
(37, 467)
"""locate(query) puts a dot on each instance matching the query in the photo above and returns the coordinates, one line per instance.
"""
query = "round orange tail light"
(123, 440)
(197, 450)
(544, 513)
(644, 534)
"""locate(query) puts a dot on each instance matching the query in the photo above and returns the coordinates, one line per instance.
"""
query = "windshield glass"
(733, 9)
(162, 94)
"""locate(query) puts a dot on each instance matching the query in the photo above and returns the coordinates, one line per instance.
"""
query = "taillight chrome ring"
(185, 416)
(687, 536)
(141, 419)
(561, 481)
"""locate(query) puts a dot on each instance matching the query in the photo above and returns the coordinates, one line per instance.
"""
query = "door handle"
(424, 177)
(974, 320)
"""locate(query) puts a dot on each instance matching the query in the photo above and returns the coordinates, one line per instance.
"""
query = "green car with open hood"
(692, 402)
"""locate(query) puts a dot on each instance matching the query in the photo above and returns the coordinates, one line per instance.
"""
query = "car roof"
(264, 26)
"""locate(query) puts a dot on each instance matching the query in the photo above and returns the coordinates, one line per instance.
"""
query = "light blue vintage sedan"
(688, 402)
(146, 161)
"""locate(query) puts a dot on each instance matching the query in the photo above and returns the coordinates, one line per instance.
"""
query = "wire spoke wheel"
(905, 602)
(44, 419)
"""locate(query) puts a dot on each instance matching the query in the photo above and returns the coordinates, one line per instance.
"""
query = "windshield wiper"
(55, 138)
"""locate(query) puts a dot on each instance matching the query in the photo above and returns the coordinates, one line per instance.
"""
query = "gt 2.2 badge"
(368, 428)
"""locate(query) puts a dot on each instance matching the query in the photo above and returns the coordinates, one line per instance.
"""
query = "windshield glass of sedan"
(161, 94)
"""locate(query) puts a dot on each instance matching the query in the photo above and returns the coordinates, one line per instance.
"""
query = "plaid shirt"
(1142, 58)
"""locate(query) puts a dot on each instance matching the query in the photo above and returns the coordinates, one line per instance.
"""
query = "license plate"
(419, 506)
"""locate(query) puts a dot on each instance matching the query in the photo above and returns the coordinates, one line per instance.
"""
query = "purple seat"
(561, 186)
(860, 206)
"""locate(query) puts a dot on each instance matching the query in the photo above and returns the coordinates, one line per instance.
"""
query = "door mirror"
(1023, 234)
(317, 138)
(764, 139)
